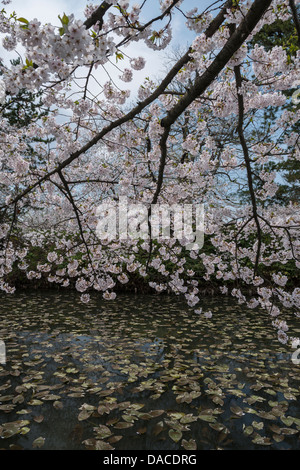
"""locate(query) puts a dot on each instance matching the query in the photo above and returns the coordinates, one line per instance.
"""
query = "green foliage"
(283, 34)
(280, 33)
(24, 107)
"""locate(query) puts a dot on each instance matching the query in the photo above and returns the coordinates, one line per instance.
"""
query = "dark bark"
(127, 117)
(97, 16)
(240, 129)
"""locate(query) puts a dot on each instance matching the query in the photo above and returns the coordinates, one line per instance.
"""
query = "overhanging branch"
(203, 81)
(97, 16)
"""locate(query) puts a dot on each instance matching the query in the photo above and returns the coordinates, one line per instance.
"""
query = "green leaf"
(260, 440)
(72, 370)
(123, 425)
(237, 410)
(289, 431)
(248, 430)
(39, 442)
(176, 415)
(218, 427)
(288, 421)
(24, 430)
(23, 20)
(189, 418)
(257, 425)
(119, 56)
(155, 413)
(207, 418)
(64, 20)
(15, 427)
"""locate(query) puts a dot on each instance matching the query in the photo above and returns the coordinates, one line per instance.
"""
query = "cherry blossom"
(193, 136)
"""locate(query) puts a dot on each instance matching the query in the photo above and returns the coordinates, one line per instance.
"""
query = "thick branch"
(76, 211)
(97, 15)
(162, 163)
(202, 82)
(213, 27)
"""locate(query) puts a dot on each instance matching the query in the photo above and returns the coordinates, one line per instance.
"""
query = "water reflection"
(143, 372)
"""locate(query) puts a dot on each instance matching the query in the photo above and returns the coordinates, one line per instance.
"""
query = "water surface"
(143, 372)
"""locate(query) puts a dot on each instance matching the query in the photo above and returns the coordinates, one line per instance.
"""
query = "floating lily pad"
(208, 418)
(84, 414)
(15, 427)
(102, 445)
(288, 421)
(38, 443)
(175, 435)
(257, 425)
(218, 427)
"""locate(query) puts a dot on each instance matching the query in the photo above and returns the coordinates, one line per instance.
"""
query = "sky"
(47, 12)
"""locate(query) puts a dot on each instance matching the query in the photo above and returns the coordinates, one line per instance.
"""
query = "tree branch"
(97, 16)
(202, 82)
(212, 28)
(76, 211)
(238, 78)
(113, 125)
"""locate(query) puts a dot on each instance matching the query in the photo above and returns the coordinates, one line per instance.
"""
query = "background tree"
(282, 33)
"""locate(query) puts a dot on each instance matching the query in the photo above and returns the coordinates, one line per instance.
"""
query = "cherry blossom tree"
(192, 138)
